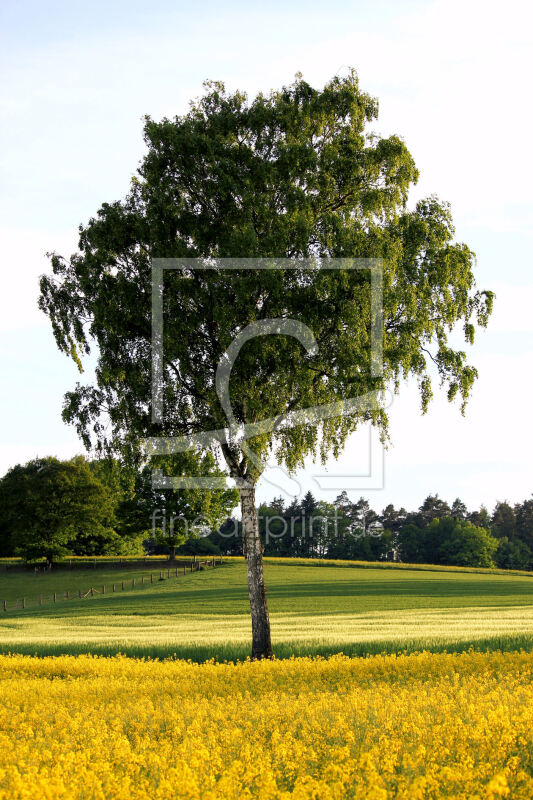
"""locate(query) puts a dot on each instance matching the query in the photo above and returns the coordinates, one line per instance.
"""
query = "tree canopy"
(47, 504)
(172, 517)
(296, 174)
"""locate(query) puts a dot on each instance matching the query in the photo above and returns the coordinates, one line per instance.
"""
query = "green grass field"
(313, 611)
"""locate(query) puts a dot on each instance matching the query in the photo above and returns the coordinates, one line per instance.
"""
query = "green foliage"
(411, 544)
(524, 523)
(227, 537)
(513, 555)
(481, 518)
(447, 540)
(503, 520)
(199, 546)
(294, 174)
(353, 531)
(53, 508)
(171, 517)
(466, 545)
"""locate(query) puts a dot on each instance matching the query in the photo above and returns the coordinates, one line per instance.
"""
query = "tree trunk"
(253, 552)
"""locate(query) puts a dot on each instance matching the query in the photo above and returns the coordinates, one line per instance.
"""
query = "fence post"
(103, 589)
(5, 606)
(176, 572)
(168, 573)
(68, 594)
(122, 585)
(55, 597)
(92, 592)
(133, 583)
(160, 574)
(113, 587)
(151, 578)
(23, 602)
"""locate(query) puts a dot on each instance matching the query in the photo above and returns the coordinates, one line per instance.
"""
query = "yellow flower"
(421, 726)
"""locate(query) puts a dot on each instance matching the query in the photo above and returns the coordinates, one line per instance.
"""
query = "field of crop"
(399, 723)
(314, 610)
(413, 726)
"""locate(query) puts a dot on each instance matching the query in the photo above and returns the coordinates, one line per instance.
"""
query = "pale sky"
(453, 79)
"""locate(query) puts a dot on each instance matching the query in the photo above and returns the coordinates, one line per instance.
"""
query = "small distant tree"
(459, 509)
(322, 528)
(447, 541)
(513, 555)
(392, 519)
(172, 517)
(433, 508)
(47, 505)
(481, 519)
(227, 537)
(411, 544)
(503, 520)
(459, 543)
(524, 522)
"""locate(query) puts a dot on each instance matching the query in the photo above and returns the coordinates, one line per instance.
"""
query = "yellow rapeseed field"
(417, 726)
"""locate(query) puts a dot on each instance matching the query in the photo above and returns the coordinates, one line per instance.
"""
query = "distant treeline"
(52, 509)
(436, 533)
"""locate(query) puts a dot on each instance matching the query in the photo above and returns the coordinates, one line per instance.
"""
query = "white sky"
(453, 78)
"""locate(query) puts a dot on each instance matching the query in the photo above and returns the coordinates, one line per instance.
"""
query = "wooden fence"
(86, 562)
(113, 588)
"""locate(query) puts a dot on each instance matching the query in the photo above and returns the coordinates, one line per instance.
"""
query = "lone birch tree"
(294, 175)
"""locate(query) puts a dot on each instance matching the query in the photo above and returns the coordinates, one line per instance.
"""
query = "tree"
(462, 544)
(295, 174)
(370, 540)
(411, 544)
(50, 506)
(513, 554)
(433, 508)
(171, 517)
(393, 519)
(343, 503)
(524, 522)
(278, 504)
(120, 481)
(459, 509)
(447, 541)
(227, 537)
(308, 505)
(480, 518)
(503, 521)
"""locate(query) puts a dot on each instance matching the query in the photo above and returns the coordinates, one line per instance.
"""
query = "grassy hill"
(327, 610)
